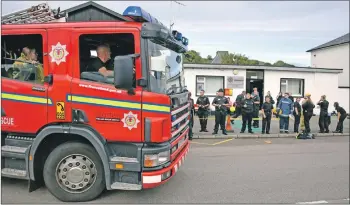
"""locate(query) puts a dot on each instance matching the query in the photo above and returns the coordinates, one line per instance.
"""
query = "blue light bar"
(139, 15)
(177, 35)
(185, 41)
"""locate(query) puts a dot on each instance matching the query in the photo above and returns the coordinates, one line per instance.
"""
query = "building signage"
(235, 81)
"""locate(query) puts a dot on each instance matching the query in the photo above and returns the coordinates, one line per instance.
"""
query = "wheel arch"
(85, 132)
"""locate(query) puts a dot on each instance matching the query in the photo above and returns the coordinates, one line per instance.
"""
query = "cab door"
(24, 99)
(113, 113)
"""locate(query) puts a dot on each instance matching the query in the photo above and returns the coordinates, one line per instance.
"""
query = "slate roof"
(100, 7)
(338, 41)
(218, 59)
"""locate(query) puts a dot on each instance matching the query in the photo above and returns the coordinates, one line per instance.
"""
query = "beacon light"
(185, 41)
(139, 15)
(177, 35)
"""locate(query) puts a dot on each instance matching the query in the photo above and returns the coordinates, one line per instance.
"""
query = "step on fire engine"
(78, 131)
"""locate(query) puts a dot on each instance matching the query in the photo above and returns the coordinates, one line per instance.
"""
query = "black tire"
(59, 153)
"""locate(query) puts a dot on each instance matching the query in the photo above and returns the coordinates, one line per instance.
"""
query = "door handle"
(3, 114)
(39, 89)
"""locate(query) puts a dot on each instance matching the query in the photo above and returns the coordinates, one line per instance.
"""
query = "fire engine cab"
(88, 106)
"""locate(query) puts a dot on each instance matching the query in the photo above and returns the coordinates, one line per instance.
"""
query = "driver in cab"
(102, 63)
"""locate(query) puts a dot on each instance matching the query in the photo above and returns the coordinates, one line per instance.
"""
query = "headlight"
(153, 160)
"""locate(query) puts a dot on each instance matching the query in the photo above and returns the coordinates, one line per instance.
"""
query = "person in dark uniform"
(220, 102)
(308, 111)
(203, 105)
(238, 104)
(323, 120)
(247, 113)
(267, 114)
(296, 114)
(103, 63)
(341, 117)
(191, 101)
(256, 99)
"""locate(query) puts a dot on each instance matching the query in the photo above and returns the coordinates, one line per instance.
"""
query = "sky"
(262, 30)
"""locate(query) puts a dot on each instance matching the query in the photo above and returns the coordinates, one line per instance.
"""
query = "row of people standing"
(248, 105)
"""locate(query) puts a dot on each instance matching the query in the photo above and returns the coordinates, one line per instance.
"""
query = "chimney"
(219, 54)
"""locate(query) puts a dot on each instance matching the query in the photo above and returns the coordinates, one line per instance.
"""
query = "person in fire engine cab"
(39, 73)
(203, 105)
(102, 63)
(21, 62)
(220, 103)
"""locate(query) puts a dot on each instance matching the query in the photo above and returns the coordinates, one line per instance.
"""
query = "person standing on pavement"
(308, 110)
(291, 97)
(220, 103)
(247, 113)
(297, 114)
(341, 117)
(256, 99)
(203, 105)
(271, 98)
(238, 104)
(285, 106)
(267, 114)
(323, 120)
(191, 101)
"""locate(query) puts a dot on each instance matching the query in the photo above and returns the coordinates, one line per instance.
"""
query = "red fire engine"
(67, 126)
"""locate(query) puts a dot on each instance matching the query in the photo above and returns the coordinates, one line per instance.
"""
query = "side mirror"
(123, 72)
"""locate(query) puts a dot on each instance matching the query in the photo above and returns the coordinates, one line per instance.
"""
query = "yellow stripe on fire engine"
(26, 98)
(155, 108)
(104, 102)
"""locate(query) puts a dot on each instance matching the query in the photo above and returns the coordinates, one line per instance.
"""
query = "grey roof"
(257, 67)
(338, 41)
(218, 57)
(93, 4)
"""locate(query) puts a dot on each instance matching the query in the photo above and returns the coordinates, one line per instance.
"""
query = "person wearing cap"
(220, 103)
(308, 110)
(323, 120)
(203, 105)
(285, 106)
(341, 117)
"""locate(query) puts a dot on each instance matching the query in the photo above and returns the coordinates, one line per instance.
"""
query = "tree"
(209, 57)
(282, 64)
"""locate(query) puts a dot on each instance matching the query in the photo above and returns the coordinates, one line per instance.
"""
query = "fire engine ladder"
(35, 14)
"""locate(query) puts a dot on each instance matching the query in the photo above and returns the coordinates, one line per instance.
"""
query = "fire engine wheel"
(73, 172)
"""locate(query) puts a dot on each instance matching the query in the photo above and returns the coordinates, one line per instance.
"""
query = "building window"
(293, 86)
(210, 84)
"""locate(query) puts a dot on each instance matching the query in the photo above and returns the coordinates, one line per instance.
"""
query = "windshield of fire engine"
(165, 68)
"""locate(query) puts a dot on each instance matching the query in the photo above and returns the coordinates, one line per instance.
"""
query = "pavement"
(237, 171)
(274, 129)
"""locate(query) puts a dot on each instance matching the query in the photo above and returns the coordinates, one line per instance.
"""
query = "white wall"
(190, 78)
(343, 98)
(333, 57)
(316, 84)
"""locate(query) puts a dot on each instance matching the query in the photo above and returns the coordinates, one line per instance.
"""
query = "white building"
(295, 80)
(335, 54)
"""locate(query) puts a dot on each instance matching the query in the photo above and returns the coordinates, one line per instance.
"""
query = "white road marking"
(314, 202)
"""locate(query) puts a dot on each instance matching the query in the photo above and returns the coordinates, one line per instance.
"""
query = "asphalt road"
(237, 171)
